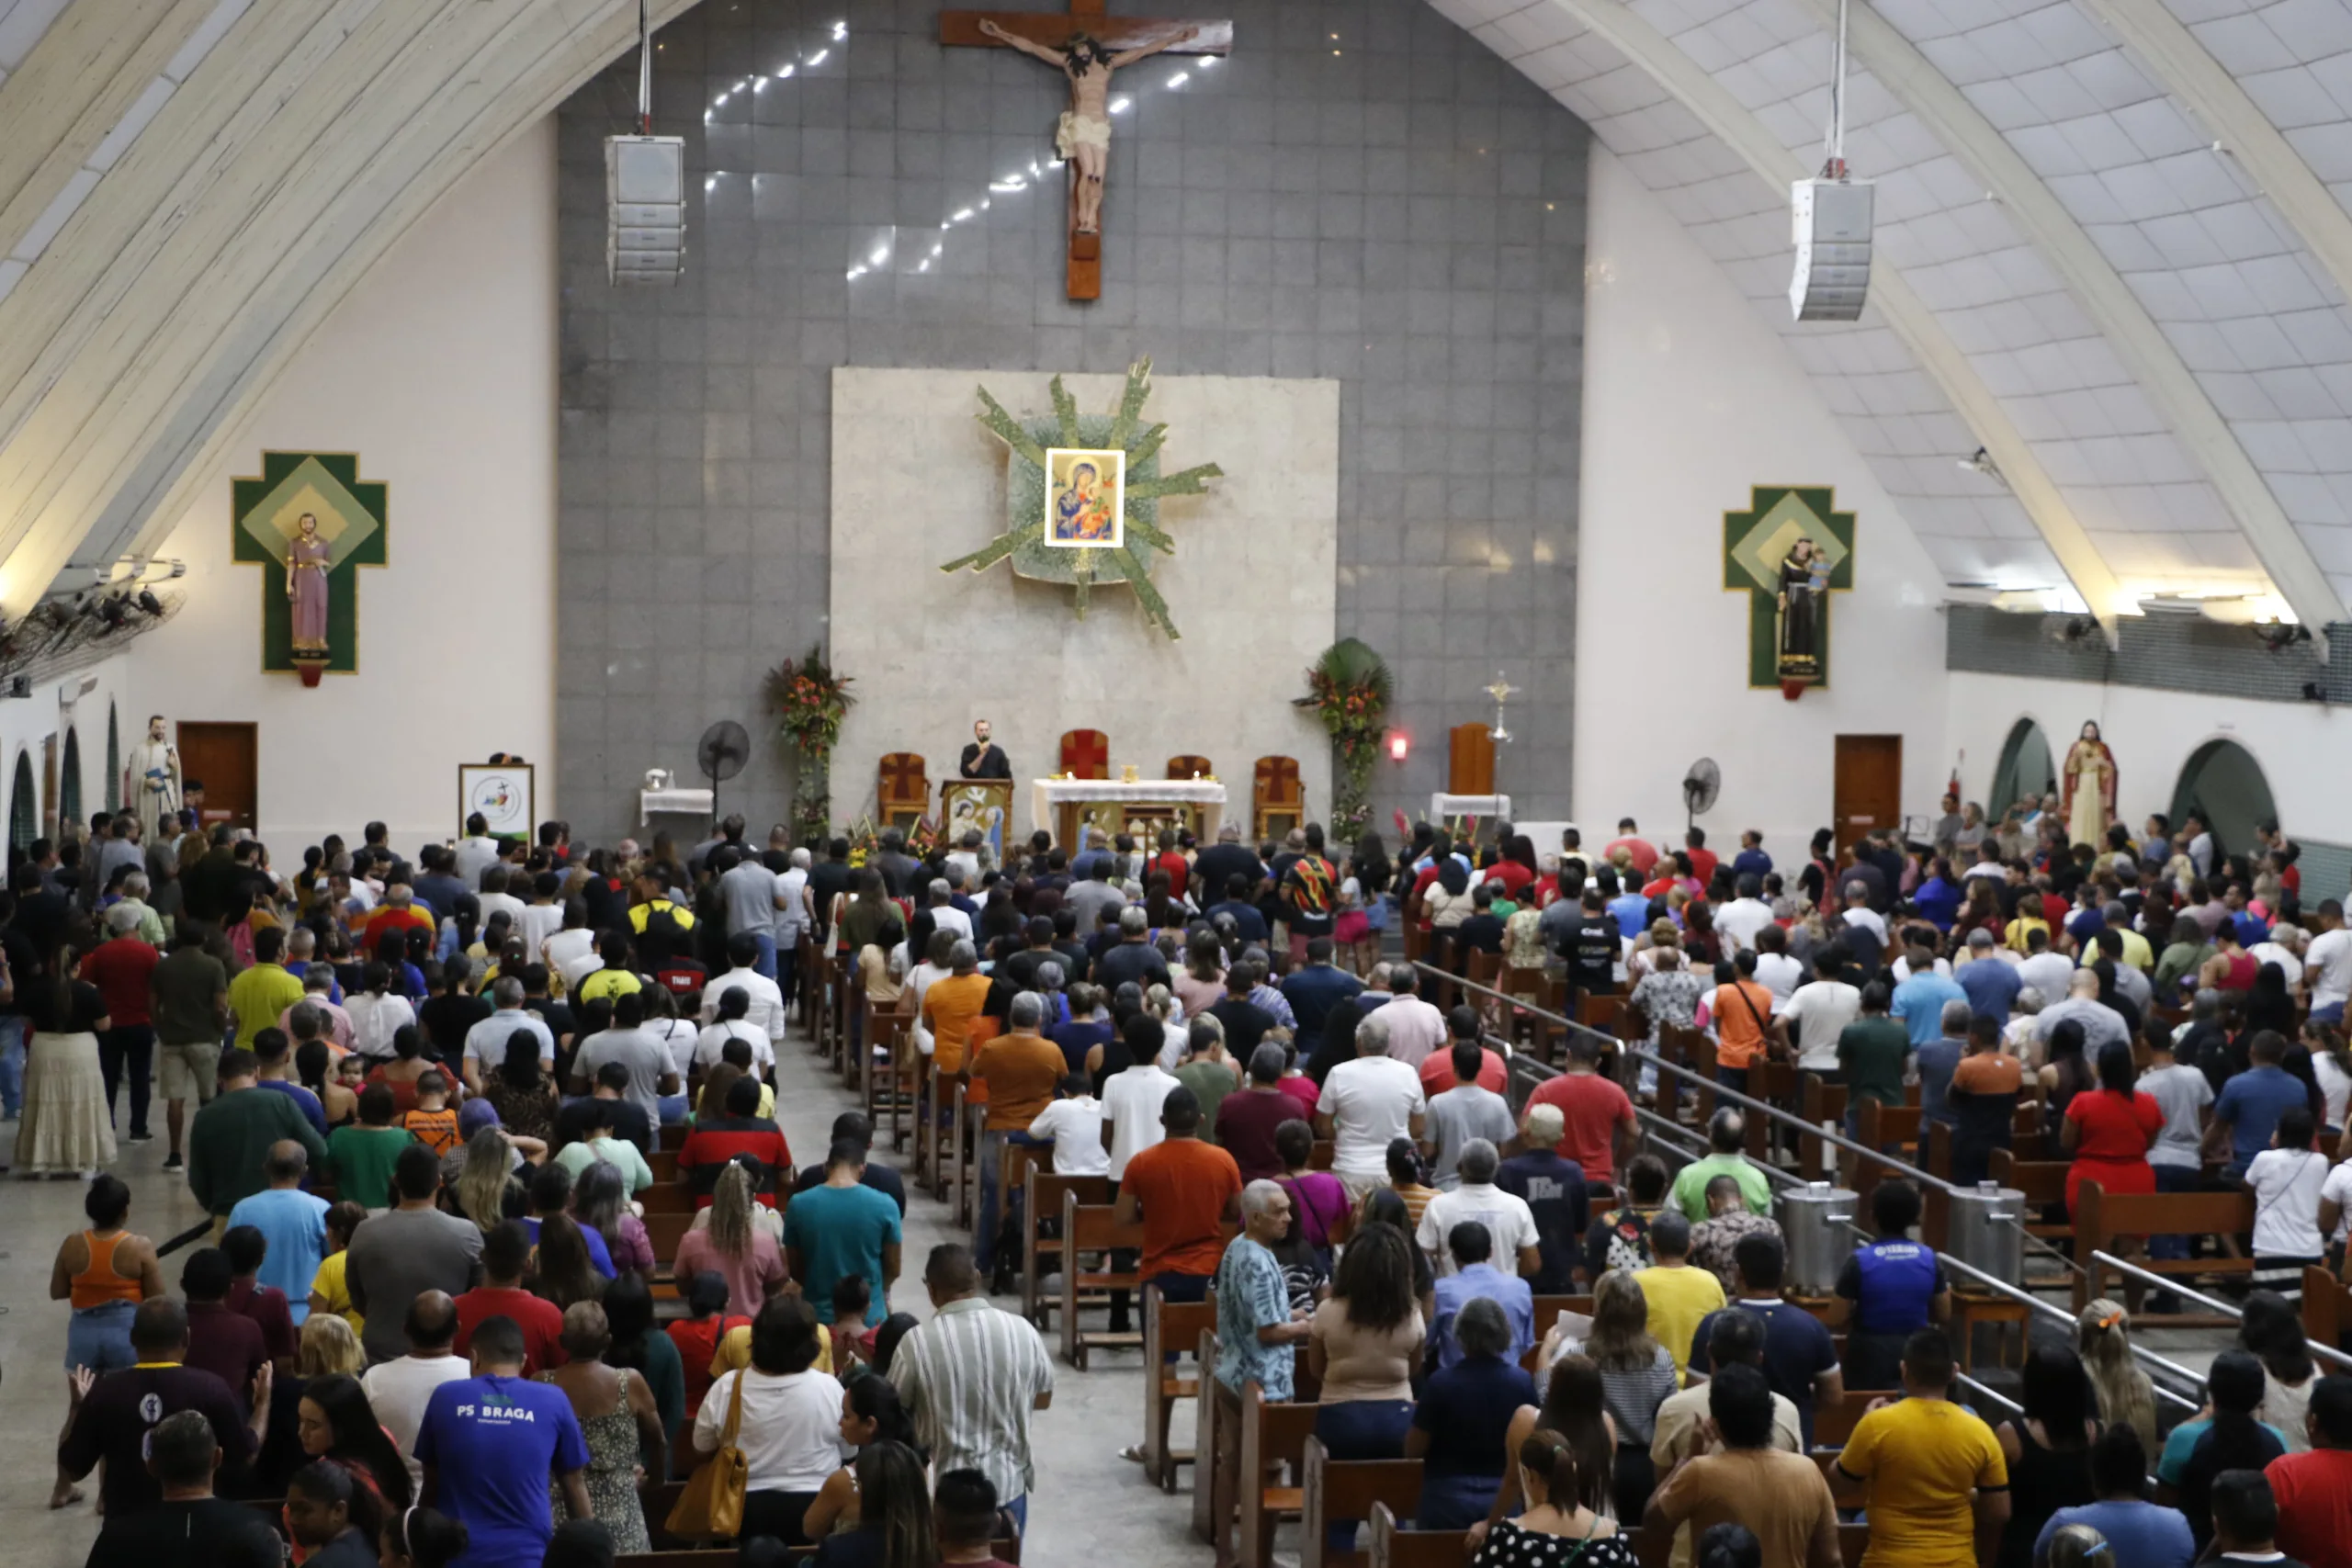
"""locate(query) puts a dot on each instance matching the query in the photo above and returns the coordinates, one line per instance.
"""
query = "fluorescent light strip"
(208, 33)
(21, 26)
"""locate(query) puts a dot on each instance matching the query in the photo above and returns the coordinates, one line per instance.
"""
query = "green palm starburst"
(1024, 540)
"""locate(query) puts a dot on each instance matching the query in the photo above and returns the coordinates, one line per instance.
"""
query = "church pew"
(665, 1231)
(664, 1164)
(2043, 1182)
(1041, 1254)
(1206, 1499)
(889, 1082)
(1395, 1548)
(1170, 1329)
(1271, 1434)
(1655, 1548)
(1090, 1228)
(2101, 1217)
(2327, 1308)
(1335, 1489)
(673, 1136)
(667, 1197)
(1834, 1421)
(1892, 1127)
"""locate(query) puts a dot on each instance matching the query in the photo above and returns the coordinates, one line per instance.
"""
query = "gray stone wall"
(1362, 191)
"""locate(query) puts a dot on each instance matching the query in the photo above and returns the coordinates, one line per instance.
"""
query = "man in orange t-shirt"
(951, 1005)
(1021, 1068)
(1745, 1027)
(1186, 1192)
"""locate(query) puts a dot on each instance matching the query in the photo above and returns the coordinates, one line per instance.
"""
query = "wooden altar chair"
(1277, 802)
(1188, 766)
(901, 789)
(1086, 754)
(1470, 760)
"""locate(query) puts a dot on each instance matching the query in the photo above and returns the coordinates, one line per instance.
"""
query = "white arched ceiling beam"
(2185, 68)
(244, 213)
(1732, 123)
(1930, 97)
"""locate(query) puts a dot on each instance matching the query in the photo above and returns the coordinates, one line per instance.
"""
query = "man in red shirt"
(1629, 839)
(2314, 1489)
(1172, 861)
(1597, 1118)
(1185, 1192)
(1702, 859)
(1437, 1067)
(505, 1252)
(397, 914)
(119, 967)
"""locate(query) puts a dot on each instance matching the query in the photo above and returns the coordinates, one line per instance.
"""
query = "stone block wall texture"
(1361, 192)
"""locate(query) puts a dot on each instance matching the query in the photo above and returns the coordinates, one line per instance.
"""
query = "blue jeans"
(2174, 1178)
(98, 1337)
(1019, 1508)
(1361, 1429)
(765, 963)
(12, 1066)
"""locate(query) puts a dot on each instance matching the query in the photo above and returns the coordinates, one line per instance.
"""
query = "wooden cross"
(1052, 29)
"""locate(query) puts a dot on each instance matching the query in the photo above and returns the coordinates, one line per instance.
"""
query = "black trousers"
(128, 1047)
(776, 1514)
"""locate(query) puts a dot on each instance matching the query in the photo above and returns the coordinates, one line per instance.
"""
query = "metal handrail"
(2060, 1315)
(2108, 1260)
(1643, 1054)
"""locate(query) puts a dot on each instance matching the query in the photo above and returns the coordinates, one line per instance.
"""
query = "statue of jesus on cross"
(1084, 138)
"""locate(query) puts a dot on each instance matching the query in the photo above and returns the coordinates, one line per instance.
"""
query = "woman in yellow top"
(328, 1292)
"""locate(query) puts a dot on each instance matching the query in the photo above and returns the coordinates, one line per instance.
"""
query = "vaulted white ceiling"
(187, 187)
(2112, 250)
(2113, 244)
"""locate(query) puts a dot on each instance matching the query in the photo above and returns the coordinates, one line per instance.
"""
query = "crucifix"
(1087, 47)
(1502, 691)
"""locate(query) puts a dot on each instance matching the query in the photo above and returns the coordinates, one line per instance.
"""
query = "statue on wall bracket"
(312, 522)
(1787, 552)
(1083, 496)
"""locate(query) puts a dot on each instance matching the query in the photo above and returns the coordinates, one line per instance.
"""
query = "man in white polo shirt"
(1366, 1105)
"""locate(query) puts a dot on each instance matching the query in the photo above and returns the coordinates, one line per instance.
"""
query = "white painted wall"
(439, 369)
(59, 708)
(2152, 734)
(1689, 400)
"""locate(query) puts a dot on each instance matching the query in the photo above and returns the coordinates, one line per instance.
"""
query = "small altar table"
(1067, 807)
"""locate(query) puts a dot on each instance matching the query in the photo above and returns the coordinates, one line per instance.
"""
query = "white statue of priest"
(152, 783)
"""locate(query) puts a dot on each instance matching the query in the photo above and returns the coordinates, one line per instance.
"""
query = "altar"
(1141, 807)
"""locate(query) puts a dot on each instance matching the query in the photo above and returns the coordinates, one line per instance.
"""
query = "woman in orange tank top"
(105, 1273)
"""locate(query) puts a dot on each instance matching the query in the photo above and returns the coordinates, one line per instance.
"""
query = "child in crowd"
(853, 1341)
(433, 1121)
(1073, 1124)
(697, 1335)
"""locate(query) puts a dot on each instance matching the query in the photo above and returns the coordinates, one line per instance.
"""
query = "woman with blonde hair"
(1160, 1002)
(2126, 1398)
(485, 1189)
(1636, 1377)
(732, 1247)
(328, 1345)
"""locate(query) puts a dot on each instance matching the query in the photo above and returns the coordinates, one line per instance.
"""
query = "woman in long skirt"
(66, 1130)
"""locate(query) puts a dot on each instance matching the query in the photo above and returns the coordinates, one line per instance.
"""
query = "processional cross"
(1087, 47)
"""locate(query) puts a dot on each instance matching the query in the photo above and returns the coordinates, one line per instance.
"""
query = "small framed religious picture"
(1085, 499)
(504, 793)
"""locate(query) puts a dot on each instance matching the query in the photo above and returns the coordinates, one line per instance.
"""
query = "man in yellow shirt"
(951, 1005)
(1930, 1472)
(263, 992)
(1680, 1296)
(616, 980)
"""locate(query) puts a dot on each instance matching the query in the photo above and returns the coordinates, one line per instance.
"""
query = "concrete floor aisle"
(1090, 1505)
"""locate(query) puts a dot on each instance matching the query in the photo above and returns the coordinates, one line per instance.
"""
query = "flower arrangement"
(811, 699)
(1348, 690)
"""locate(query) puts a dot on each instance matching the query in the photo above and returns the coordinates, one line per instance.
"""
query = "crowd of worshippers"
(476, 1047)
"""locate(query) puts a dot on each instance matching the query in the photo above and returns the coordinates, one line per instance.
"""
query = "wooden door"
(1868, 790)
(223, 757)
(1470, 760)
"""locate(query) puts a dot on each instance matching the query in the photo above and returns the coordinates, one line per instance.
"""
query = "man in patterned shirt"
(1729, 1221)
(1256, 1326)
(970, 1378)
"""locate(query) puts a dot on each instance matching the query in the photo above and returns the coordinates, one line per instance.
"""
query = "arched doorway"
(24, 810)
(2024, 770)
(2222, 783)
(114, 759)
(68, 781)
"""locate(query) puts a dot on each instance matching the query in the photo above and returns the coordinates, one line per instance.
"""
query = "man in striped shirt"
(970, 1378)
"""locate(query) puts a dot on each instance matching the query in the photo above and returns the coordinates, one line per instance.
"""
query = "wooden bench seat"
(1171, 1328)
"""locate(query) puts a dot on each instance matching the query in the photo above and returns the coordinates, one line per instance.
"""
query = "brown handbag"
(711, 1506)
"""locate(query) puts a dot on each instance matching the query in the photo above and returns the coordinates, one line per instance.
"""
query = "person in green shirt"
(1206, 1070)
(1872, 1053)
(599, 1142)
(262, 994)
(361, 1157)
(1726, 1138)
(228, 1144)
